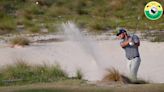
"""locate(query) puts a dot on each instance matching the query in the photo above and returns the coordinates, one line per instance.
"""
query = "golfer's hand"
(130, 40)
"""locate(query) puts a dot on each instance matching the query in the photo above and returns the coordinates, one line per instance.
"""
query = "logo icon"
(153, 10)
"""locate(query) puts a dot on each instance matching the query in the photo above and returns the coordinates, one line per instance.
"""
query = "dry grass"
(114, 75)
(22, 41)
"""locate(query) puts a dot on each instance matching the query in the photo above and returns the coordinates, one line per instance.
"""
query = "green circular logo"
(153, 10)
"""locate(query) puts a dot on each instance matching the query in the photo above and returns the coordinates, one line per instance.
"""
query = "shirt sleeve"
(136, 39)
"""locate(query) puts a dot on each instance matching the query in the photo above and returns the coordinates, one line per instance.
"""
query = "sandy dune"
(71, 57)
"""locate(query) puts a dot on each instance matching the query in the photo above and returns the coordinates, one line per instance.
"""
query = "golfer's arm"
(136, 41)
(124, 44)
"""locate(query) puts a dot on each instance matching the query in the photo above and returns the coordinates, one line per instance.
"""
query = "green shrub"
(79, 74)
(51, 27)
(58, 11)
(17, 71)
(21, 73)
(45, 2)
(28, 23)
(100, 25)
(34, 29)
(45, 73)
(33, 9)
(31, 26)
(101, 14)
(7, 24)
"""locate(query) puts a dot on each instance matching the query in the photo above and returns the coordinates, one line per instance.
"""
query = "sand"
(71, 57)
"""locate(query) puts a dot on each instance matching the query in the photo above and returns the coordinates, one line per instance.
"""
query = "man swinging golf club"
(130, 44)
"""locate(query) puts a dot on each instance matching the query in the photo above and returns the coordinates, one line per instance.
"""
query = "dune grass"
(113, 75)
(53, 79)
(23, 73)
(7, 24)
(89, 14)
(22, 41)
(79, 74)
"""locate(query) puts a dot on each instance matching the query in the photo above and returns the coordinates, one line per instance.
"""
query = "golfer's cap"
(121, 31)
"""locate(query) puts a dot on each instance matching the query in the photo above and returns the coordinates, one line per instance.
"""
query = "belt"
(132, 58)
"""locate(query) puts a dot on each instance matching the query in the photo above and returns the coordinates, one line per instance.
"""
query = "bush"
(51, 27)
(99, 25)
(58, 11)
(45, 2)
(33, 9)
(31, 26)
(17, 71)
(79, 74)
(34, 29)
(45, 73)
(20, 41)
(21, 73)
(7, 24)
(112, 75)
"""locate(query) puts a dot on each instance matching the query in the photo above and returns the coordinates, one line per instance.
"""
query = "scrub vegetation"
(96, 15)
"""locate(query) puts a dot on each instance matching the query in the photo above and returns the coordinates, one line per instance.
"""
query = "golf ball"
(37, 3)
(131, 43)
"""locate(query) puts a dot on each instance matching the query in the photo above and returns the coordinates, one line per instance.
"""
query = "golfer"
(130, 44)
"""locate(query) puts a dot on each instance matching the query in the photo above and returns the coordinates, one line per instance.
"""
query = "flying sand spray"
(89, 46)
